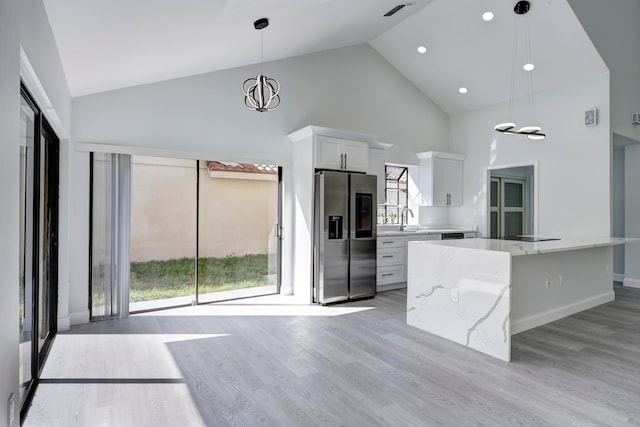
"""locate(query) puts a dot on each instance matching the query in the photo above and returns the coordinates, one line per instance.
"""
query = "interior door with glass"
(512, 219)
(494, 209)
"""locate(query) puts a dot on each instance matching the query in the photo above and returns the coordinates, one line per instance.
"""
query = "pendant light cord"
(513, 68)
(532, 114)
(261, 49)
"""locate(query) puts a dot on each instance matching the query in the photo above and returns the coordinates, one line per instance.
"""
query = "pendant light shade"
(520, 9)
(261, 93)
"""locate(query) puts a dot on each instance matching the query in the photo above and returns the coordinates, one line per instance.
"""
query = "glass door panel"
(43, 255)
(513, 223)
(48, 239)
(163, 233)
(103, 294)
(239, 237)
(27, 127)
(513, 194)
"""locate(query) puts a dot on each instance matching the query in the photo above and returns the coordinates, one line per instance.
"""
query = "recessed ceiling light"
(422, 49)
(462, 90)
(529, 67)
(487, 16)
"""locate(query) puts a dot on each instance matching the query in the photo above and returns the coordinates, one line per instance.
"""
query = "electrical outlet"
(454, 295)
(547, 283)
(11, 408)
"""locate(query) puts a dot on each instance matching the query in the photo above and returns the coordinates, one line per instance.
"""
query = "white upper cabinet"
(341, 154)
(441, 178)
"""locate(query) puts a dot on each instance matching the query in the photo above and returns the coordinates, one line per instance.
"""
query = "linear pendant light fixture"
(261, 92)
(521, 8)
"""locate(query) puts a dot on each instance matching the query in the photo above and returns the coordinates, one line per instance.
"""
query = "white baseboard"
(79, 318)
(529, 322)
(617, 277)
(63, 324)
(631, 283)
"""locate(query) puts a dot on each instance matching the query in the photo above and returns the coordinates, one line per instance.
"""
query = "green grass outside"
(173, 278)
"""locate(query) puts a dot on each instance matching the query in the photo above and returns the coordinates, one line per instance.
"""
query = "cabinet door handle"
(345, 160)
(388, 256)
(387, 274)
(341, 161)
(388, 241)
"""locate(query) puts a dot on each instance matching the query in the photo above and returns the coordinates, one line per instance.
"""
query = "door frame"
(487, 193)
(48, 271)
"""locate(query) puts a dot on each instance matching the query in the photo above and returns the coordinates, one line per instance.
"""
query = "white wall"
(22, 23)
(9, 189)
(613, 29)
(42, 72)
(573, 161)
(351, 88)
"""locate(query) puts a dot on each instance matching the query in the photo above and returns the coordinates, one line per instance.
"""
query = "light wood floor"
(350, 364)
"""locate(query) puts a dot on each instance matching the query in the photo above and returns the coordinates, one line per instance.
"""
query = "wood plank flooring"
(248, 365)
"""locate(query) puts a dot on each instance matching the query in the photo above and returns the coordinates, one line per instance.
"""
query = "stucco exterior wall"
(237, 211)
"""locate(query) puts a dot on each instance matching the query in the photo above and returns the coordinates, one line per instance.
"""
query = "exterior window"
(396, 195)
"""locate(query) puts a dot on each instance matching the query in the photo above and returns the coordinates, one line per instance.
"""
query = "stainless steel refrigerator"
(344, 236)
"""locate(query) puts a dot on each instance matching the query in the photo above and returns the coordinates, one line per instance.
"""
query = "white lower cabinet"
(390, 262)
(391, 267)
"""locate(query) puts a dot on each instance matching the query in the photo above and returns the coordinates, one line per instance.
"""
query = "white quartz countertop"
(411, 232)
(517, 248)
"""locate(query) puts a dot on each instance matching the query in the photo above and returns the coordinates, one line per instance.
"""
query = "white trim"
(64, 324)
(79, 318)
(526, 323)
(536, 204)
(440, 155)
(618, 277)
(133, 150)
(309, 131)
(631, 283)
(31, 81)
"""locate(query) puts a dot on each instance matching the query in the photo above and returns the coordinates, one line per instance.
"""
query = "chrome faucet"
(403, 215)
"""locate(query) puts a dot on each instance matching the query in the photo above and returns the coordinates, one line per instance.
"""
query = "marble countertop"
(517, 248)
(435, 230)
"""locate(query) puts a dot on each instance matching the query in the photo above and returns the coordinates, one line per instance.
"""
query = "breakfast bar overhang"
(479, 292)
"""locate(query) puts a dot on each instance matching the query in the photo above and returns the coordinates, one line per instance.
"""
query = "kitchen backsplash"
(429, 215)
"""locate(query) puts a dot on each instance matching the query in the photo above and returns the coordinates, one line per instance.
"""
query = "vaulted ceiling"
(110, 44)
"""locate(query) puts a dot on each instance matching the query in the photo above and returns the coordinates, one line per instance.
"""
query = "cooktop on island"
(528, 238)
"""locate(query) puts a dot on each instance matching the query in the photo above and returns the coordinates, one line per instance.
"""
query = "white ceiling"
(110, 44)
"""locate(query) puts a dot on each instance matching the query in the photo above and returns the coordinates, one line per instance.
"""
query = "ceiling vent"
(396, 9)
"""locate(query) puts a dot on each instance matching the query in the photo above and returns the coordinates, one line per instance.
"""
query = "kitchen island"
(479, 292)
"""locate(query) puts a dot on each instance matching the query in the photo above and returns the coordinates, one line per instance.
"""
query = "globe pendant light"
(533, 132)
(261, 92)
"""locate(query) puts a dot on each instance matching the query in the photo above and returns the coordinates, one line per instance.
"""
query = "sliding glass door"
(27, 225)
(163, 232)
(200, 231)
(39, 162)
(238, 230)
